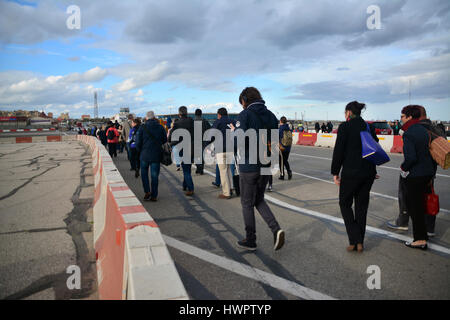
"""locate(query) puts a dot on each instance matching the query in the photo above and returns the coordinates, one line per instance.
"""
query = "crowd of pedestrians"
(237, 171)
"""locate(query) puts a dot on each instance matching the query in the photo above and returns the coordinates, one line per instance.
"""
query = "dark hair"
(182, 111)
(283, 120)
(412, 111)
(222, 111)
(423, 112)
(249, 95)
(355, 107)
(137, 121)
(198, 112)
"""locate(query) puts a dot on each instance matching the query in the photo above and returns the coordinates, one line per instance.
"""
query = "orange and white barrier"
(326, 140)
(307, 139)
(132, 259)
(35, 139)
(389, 143)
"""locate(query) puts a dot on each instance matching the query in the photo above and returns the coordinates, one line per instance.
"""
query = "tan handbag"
(440, 151)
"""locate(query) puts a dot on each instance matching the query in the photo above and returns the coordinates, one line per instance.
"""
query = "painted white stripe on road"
(372, 192)
(384, 167)
(341, 221)
(248, 271)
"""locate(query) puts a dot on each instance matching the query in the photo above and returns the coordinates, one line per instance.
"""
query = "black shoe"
(147, 197)
(136, 174)
(132, 169)
(245, 244)
(278, 239)
(422, 246)
(289, 175)
(215, 185)
(281, 178)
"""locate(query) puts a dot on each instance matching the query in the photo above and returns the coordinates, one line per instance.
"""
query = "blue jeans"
(154, 173)
(187, 181)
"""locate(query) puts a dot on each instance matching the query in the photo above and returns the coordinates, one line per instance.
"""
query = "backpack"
(287, 138)
(111, 134)
(440, 150)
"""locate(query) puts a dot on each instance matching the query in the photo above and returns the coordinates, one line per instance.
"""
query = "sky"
(307, 58)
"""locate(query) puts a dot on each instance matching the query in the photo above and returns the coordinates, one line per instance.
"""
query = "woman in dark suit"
(418, 170)
(357, 174)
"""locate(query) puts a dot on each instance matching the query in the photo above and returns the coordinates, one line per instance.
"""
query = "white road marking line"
(248, 271)
(372, 192)
(384, 167)
(341, 221)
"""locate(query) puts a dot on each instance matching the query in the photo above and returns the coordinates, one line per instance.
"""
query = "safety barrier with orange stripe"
(35, 139)
(307, 139)
(132, 259)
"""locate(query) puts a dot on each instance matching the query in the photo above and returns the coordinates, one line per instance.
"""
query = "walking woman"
(418, 170)
(357, 176)
(134, 153)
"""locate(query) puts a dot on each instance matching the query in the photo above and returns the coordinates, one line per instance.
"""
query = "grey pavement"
(314, 256)
(45, 225)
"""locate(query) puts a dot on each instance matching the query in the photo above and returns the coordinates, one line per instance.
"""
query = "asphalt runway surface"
(46, 194)
(202, 231)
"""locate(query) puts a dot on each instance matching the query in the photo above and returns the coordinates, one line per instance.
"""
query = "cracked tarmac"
(45, 226)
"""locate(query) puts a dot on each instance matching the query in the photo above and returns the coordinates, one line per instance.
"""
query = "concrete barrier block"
(7, 140)
(151, 272)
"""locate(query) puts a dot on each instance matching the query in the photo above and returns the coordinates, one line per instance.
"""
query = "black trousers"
(112, 148)
(284, 157)
(415, 203)
(357, 190)
(403, 216)
(253, 185)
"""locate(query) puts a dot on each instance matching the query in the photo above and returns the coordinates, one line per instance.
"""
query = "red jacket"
(116, 133)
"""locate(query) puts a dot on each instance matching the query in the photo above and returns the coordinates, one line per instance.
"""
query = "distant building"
(50, 115)
(64, 116)
(85, 117)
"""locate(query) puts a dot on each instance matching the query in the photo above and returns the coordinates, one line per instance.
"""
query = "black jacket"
(255, 116)
(222, 125)
(347, 152)
(418, 160)
(183, 123)
(149, 140)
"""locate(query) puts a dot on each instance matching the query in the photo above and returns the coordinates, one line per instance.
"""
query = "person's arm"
(139, 138)
(409, 152)
(163, 135)
(373, 133)
(339, 153)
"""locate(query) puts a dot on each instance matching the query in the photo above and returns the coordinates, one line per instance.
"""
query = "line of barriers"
(389, 143)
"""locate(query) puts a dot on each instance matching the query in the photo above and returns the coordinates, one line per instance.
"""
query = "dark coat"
(222, 125)
(247, 119)
(418, 160)
(188, 124)
(149, 140)
(347, 152)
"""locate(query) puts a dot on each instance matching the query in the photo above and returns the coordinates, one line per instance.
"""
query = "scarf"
(411, 122)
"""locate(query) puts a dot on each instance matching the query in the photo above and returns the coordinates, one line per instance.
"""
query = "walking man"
(112, 136)
(150, 138)
(255, 116)
(224, 157)
(188, 124)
